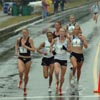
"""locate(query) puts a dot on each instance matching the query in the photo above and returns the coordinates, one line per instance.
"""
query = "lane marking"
(44, 97)
(95, 68)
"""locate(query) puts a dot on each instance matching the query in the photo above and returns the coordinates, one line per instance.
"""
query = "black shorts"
(79, 57)
(24, 60)
(95, 13)
(47, 61)
(61, 62)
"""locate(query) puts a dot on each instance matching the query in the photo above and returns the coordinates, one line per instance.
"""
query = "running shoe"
(74, 80)
(20, 84)
(49, 89)
(24, 90)
(79, 87)
(60, 91)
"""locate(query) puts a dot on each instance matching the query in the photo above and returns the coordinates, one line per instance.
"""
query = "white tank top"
(60, 53)
(71, 27)
(76, 42)
(95, 8)
(47, 50)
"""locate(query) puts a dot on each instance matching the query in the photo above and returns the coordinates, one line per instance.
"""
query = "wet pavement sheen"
(37, 88)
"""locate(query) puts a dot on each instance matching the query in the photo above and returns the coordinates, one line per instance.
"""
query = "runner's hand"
(44, 53)
(53, 52)
(81, 37)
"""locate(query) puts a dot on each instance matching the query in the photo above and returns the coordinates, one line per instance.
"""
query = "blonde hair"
(72, 16)
(25, 28)
(77, 25)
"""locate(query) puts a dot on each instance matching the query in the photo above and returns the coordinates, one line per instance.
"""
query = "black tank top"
(71, 24)
(24, 51)
(54, 35)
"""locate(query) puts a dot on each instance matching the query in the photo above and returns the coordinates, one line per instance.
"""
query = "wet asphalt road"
(37, 88)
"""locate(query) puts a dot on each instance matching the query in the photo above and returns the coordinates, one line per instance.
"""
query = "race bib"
(22, 50)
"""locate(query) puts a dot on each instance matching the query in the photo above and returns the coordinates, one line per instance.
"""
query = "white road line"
(44, 97)
(95, 68)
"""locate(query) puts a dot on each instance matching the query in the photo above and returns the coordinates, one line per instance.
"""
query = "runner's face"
(49, 36)
(57, 26)
(25, 33)
(96, 3)
(62, 32)
(77, 30)
(72, 19)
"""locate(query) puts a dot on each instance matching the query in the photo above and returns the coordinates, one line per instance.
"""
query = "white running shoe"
(79, 87)
(49, 89)
(74, 83)
(72, 80)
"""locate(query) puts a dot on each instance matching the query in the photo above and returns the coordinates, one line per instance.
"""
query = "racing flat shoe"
(49, 90)
(25, 93)
(73, 80)
(60, 91)
(20, 84)
(79, 87)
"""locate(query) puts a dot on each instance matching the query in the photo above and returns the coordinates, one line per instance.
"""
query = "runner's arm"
(16, 47)
(31, 48)
(40, 47)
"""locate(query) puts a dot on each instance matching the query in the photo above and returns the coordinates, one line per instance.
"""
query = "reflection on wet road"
(54, 98)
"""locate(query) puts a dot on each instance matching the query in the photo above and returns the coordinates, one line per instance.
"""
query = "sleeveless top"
(54, 35)
(23, 51)
(60, 53)
(71, 27)
(95, 8)
(47, 49)
(76, 41)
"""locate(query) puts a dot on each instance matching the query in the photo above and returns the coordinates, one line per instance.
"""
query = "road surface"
(37, 88)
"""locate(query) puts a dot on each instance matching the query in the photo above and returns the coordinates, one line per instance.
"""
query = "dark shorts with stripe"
(61, 62)
(79, 57)
(95, 13)
(24, 60)
(47, 61)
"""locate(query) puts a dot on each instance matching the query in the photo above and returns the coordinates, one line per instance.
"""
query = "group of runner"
(63, 41)
(54, 51)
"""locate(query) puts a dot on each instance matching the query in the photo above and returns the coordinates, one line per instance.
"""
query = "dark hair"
(49, 32)
(59, 22)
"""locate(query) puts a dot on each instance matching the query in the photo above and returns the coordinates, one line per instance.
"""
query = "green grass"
(77, 3)
(18, 19)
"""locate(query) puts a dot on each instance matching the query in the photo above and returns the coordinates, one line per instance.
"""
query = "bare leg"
(63, 71)
(96, 17)
(45, 71)
(74, 64)
(57, 72)
(79, 67)
(51, 74)
(26, 73)
(21, 70)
